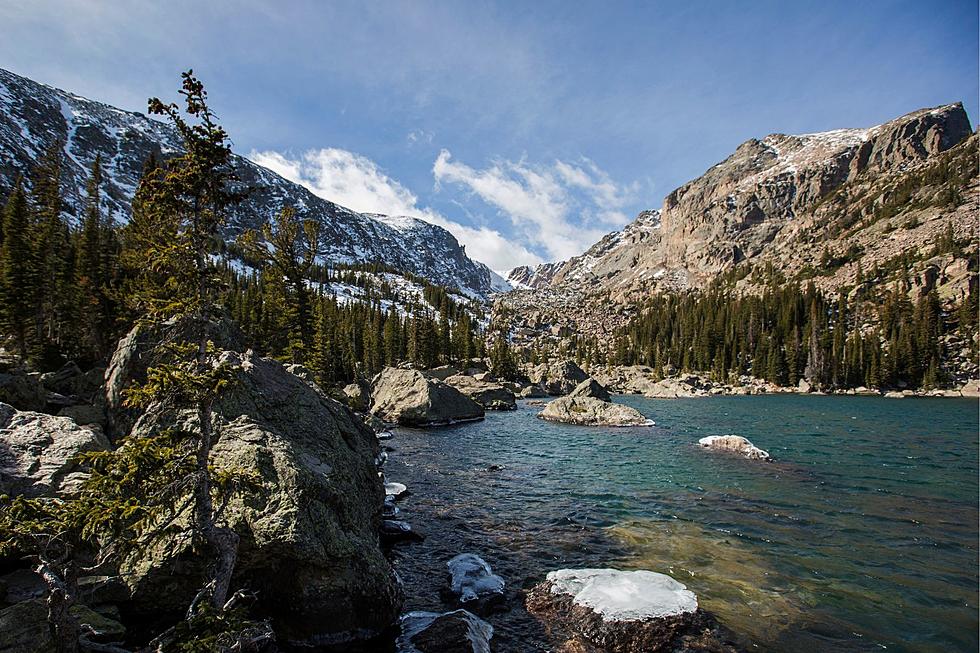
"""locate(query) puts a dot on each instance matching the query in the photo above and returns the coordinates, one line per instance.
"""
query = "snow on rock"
(395, 489)
(472, 580)
(734, 444)
(458, 631)
(624, 595)
(623, 612)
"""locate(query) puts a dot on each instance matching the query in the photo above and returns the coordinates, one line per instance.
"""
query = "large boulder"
(358, 396)
(442, 372)
(24, 627)
(591, 388)
(38, 452)
(137, 352)
(623, 612)
(308, 529)
(733, 444)
(409, 398)
(558, 379)
(451, 632)
(21, 390)
(589, 411)
(490, 395)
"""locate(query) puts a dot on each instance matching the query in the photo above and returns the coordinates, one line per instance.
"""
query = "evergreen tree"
(17, 274)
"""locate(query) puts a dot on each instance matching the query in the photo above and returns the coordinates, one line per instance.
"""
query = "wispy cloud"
(358, 183)
(562, 208)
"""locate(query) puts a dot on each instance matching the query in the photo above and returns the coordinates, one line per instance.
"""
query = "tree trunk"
(64, 628)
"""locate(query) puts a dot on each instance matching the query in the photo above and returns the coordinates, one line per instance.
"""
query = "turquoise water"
(861, 535)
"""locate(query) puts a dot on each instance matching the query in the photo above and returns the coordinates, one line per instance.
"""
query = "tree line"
(788, 333)
(69, 288)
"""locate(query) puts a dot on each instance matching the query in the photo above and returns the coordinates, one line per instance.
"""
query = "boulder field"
(308, 523)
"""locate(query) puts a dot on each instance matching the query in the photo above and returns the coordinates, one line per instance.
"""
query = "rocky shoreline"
(322, 571)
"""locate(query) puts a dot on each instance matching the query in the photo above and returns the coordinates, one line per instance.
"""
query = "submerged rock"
(490, 395)
(451, 632)
(473, 583)
(409, 398)
(396, 530)
(588, 411)
(308, 527)
(733, 444)
(591, 388)
(38, 452)
(622, 612)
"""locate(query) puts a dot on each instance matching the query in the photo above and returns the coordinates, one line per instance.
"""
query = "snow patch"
(624, 595)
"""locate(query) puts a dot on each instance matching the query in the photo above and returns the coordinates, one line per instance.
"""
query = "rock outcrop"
(591, 388)
(38, 452)
(134, 356)
(358, 396)
(409, 398)
(588, 411)
(450, 632)
(309, 526)
(863, 196)
(558, 379)
(622, 612)
(733, 444)
(490, 395)
(21, 390)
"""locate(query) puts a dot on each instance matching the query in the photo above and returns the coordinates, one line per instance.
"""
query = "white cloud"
(563, 208)
(356, 182)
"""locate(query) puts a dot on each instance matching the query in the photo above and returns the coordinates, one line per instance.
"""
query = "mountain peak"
(34, 116)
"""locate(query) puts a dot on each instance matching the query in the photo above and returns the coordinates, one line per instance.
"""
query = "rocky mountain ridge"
(815, 207)
(34, 117)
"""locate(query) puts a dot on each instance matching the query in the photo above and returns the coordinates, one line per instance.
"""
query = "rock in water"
(622, 612)
(38, 452)
(490, 395)
(589, 411)
(450, 632)
(558, 379)
(309, 528)
(409, 398)
(591, 388)
(734, 444)
(472, 581)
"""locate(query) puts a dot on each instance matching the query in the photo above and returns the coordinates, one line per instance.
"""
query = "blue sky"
(527, 128)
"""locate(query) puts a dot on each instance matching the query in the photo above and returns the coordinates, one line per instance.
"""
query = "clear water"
(861, 536)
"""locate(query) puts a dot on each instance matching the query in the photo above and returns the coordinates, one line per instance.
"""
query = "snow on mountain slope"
(34, 116)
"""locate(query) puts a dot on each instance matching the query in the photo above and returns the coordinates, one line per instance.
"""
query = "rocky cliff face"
(863, 195)
(739, 206)
(33, 117)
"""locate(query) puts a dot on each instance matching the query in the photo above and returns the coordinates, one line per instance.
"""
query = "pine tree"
(17, 270)
(189, 200)
(288, 248)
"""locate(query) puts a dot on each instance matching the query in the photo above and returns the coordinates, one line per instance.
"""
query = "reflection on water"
(861, 536)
